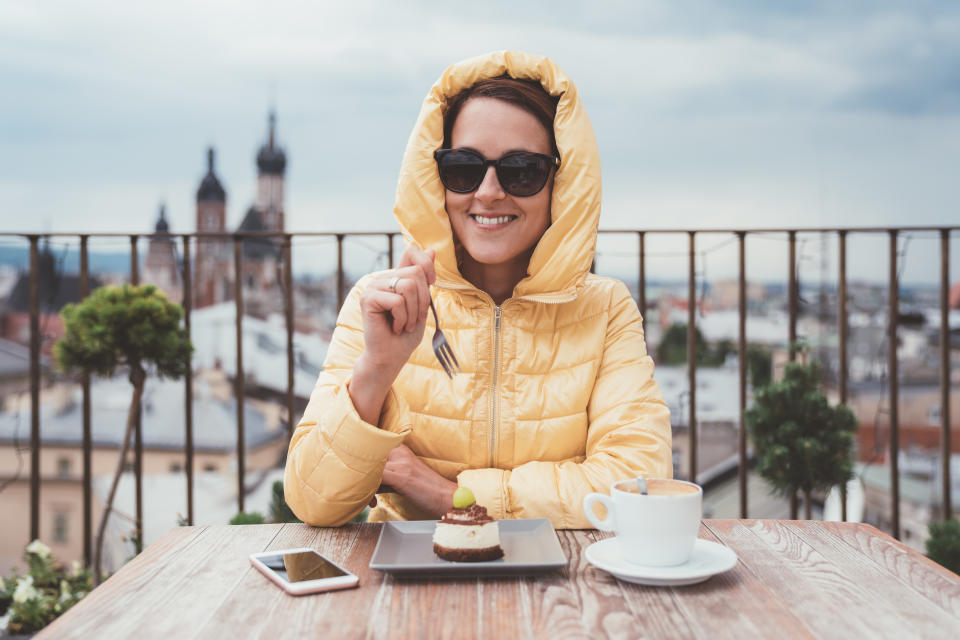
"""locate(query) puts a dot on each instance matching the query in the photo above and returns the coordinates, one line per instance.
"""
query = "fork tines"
(445, 355)
(441, 348)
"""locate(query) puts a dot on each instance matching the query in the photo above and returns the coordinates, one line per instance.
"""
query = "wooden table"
(795, 579)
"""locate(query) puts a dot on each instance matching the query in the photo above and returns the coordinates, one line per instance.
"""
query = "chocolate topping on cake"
(472, 515)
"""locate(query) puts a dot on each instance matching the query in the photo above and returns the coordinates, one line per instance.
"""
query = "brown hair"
(529, 95)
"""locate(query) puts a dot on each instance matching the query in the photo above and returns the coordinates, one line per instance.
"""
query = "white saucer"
(708, 559)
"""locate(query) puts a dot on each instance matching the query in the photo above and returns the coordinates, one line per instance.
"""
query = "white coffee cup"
(656, 529)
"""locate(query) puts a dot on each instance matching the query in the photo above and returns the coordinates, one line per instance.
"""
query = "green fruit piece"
(463, 498)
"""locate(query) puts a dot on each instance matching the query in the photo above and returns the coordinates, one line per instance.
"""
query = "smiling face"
(497, 230)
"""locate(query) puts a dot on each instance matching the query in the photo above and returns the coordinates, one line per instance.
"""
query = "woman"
(556, 397)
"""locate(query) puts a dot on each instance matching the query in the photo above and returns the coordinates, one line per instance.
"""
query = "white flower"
(25, 590)
(4, 622)
(37, 548)
(75, 568)
(65, 591)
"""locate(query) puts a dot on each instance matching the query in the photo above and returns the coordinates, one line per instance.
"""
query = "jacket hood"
(564, 254)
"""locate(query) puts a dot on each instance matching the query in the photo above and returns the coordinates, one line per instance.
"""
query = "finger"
(423, 291)
(413, 285)
(422, 274)
(409, 289)
(407, 258)
(424, 259)
(378, 302)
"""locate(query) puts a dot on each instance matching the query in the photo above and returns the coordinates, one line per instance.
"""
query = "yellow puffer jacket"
(557, 397)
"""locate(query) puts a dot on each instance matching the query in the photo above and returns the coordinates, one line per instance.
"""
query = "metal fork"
(441, 348)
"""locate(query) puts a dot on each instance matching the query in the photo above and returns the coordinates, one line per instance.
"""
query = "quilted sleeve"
(628, 436)
(335, 460)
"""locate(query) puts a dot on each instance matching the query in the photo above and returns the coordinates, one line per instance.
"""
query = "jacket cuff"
(357, 442)
(489, 487)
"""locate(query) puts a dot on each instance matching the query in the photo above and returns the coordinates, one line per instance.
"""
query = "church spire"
(273, 126)
(271, 159)
(210, 187)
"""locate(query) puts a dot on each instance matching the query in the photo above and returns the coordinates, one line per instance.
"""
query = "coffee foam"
(659, 487)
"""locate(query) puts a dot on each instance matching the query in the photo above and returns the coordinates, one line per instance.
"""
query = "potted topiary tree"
(132, 327)
(801, 442)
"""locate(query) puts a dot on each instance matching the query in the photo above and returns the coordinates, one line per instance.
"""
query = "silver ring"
(393, 283)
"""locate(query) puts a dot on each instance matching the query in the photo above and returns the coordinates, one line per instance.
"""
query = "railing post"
(945, 369)
(792, 294)
(288, 312)
(742, 357)
(34, 309)
(642, 278)
(138, 426)
(692, 354)
(188, 378)
(87, 436)
(340, 283)
(842, 326)
(239, 379)
(893, 376)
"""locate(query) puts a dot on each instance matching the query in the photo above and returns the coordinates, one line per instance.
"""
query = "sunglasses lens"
(522, 175)
(461, 171)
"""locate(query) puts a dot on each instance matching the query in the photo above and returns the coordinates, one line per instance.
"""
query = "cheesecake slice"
(467, 535)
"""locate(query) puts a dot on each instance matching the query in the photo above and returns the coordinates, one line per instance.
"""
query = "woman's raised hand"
(394, 309)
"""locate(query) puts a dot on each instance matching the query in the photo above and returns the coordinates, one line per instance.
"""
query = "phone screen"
(301, 566)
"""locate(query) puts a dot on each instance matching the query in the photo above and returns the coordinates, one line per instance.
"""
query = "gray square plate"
(529, 546)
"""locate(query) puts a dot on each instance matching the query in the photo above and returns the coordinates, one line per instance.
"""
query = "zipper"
(494, 379)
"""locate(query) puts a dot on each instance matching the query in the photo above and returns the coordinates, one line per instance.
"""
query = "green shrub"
(759, 364)
(253, 517)
(279, 510)
(672, 349)
(943, 546)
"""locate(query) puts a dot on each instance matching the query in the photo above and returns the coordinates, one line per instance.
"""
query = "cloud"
(745, 112)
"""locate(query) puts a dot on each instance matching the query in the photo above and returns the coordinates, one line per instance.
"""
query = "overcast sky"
(708, 114)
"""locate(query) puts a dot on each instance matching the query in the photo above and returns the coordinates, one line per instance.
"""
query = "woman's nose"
(490, 189)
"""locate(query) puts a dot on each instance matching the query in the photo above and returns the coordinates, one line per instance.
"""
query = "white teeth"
(491, 221)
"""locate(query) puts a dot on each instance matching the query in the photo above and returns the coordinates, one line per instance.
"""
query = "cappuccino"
(659, 487)
(657, 529)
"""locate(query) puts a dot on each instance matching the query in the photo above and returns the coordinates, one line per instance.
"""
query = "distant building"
(161, 268)
(261, 257)
(919, 418)
(55, 290)
(61, 453)
(15, 367)
(211, 268)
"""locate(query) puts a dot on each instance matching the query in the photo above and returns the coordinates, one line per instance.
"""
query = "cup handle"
(608, 523)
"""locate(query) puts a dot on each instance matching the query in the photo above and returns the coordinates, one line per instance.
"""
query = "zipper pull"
(496, 317)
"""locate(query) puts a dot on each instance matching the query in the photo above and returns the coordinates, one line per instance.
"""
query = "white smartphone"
(301, 571)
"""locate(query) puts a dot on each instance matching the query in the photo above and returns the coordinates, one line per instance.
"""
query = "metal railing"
(284, 240)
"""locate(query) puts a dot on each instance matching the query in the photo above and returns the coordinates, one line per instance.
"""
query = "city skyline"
(707, 115)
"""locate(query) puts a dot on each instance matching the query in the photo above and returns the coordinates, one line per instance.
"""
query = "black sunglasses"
(521, 173)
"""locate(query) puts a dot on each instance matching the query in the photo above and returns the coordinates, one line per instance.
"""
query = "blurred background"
(163, 119)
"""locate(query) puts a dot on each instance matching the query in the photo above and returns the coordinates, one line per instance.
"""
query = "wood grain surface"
(794, 579)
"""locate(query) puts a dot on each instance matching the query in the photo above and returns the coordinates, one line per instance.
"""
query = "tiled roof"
(164, 422)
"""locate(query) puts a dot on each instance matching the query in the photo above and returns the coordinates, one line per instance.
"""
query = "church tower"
(160, 267)
(271, 165)
(211, 201)
(212, 263)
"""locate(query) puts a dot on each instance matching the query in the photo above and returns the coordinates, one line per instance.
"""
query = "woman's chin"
(492, 256)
